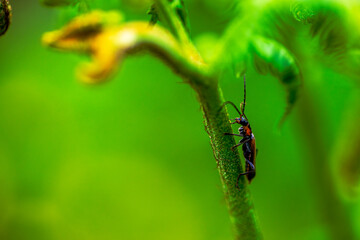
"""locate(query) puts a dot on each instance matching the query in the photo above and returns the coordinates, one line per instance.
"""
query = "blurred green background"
(130, 159)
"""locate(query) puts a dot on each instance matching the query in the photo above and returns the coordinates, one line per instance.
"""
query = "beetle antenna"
(232, 104)
(243, 105)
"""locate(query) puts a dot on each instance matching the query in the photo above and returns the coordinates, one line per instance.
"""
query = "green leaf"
(332, 31)
(335, 27)
(154, 14)
(271, 57)
(180, 9)
(178, 6)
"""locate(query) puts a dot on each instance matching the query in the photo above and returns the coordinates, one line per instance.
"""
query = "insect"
(247, 141)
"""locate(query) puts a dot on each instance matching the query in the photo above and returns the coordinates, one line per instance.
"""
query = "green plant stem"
(229, 165)
(239, 202)
(345, 154)
(335, 213)
(111, 46)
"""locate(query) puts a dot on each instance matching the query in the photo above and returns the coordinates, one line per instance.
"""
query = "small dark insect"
(247, 141)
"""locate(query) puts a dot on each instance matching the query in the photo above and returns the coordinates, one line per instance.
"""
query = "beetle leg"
(251, 166)
(245, 173)
(242, 141)
(248, 148)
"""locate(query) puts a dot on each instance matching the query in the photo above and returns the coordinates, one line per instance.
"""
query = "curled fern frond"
(302, 11)
(271, 57)
(5, 16)
(335, 28)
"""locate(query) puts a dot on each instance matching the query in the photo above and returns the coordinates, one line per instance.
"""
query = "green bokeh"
(130, 159)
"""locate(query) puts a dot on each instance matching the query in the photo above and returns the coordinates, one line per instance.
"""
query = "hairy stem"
(239, 201)
(109, 44)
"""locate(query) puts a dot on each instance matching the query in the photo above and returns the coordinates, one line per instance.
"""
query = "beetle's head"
(242, 120)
